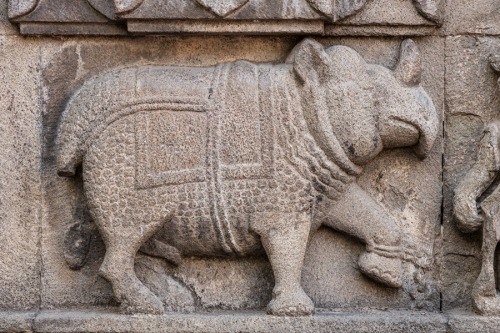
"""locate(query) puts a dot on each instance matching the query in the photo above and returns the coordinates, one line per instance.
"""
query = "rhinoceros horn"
(409, 68)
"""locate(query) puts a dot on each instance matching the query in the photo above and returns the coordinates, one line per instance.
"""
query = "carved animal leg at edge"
(134, 297)
(484, 290)
(285, 240)
(122, 244)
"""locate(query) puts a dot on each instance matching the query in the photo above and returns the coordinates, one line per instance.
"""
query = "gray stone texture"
(237, 284)
(223, 321)
(20, 185)
(371, 321)
(108, 17)
(480, 17)
(6, 27)
(39, 292)
(469, 109)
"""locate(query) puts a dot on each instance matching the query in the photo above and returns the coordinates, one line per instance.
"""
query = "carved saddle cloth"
(214, 125)
(222, 123)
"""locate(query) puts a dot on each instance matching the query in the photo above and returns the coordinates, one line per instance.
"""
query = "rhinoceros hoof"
(142, 300)
(387, 271)
(294, 304)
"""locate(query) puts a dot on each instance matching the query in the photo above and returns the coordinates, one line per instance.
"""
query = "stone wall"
(52, 50)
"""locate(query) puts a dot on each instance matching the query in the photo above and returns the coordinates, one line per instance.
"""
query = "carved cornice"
(222, 8)
(104, 7)
(19, 8)
(345, 8)
(126, 6)
(216, 16)
(431, 9)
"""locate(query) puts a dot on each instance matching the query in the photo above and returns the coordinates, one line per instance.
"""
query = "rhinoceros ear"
(409, 68)
(310, 62)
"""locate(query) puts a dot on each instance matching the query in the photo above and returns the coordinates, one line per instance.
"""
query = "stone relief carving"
(125, 6)
(242, 159)
(37, 16)
(21, 7)
(222, 8)
(476, 206)
(333, 10)
(431, 9)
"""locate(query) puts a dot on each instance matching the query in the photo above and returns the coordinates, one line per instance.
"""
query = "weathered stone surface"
(476, 208)
(269, 27)
(20, 186)
(332, 279)
(67, 70)
(472, 17)
(6, 28)
(104, 17)
(470, 108)
(16, 321)
(58, 17)
(377, 12)
(373, 322)
(50, 246)
(462, 322)
(223, 321)
(395, 189)
(431, 9)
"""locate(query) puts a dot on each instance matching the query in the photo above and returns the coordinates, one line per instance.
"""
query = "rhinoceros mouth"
(405, 133)
(423, 137)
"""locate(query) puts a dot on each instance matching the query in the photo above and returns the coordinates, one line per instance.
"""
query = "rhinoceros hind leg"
(133, 296)
(156, 248)
(122, 243)
(285, 240)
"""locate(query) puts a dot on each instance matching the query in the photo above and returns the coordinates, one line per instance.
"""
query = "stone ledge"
(372, 321)
(463, 322)
(16, 321)
(251, 322)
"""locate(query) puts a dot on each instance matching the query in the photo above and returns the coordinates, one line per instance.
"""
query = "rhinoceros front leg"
(285, 238)
(357, 214)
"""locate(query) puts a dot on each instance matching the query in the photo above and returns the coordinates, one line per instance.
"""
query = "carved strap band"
(214, 175)
(387, 251)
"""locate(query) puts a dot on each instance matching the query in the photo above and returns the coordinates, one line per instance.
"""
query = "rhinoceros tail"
(87, 113)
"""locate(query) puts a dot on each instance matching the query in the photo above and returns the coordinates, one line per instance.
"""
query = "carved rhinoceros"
(241, 159)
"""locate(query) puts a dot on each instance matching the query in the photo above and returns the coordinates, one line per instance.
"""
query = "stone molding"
(272, 17)
(345, 322)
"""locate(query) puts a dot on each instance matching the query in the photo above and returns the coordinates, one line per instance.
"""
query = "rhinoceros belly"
(207, 226)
